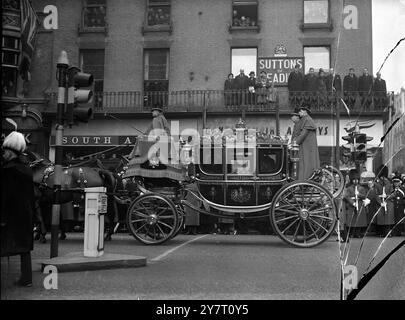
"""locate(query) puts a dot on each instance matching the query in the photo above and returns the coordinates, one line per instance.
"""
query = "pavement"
(215, 267)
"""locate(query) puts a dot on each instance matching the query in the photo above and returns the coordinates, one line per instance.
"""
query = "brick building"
(179, 52)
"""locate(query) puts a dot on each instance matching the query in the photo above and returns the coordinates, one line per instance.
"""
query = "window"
(9, 81)
(156, 76)
(316, 11)
(243, 58)
(92, 61)
(9, 61)
(94, 14)
(158, 12)
(244, 14)
(317, 57)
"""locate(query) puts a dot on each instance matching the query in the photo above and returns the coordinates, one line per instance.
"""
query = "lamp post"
(62, 67)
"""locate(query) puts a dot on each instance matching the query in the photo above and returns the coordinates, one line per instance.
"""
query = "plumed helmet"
(354, 174)
(15, 141)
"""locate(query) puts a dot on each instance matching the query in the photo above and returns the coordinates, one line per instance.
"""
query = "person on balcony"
(242, 85)
(263, 88)
(379, 93)
(252, 88)
(350, 87)
(310, 87)
(308, 152)
(365, 86)
(321, 88)
(333, 86)
(295, 86)
(229, 88)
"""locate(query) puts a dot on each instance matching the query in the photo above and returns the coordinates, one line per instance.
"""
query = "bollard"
(95, 208)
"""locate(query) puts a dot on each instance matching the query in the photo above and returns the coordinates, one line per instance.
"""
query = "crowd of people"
(376, 204)
(248, 90)
(320, 90)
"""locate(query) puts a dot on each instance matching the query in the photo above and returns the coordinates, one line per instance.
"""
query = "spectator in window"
(229, 88)
(321, 86)
(365, 86)
(242, 85)
(379, 93)
(350, 87)
(252, 88)
(310, 86)
(263, 84)
(295, 86)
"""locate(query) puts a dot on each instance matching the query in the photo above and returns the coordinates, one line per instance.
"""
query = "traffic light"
(348, 149)
(360, 146)
(77, 95)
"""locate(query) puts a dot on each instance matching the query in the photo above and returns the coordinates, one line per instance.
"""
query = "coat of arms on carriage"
(280, 51)
(240, 195)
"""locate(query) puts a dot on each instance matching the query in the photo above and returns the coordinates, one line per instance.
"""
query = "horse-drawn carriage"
(239, 174)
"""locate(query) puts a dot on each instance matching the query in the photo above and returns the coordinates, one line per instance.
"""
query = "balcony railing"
(230, 101)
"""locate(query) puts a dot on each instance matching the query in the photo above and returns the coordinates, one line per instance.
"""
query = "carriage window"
(241, 161)
(211, 160)
(270, 160)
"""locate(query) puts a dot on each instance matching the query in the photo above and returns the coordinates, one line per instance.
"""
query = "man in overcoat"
(365, 86)
(384, 190)
(308, 152)
(295, 87)
(350, 87)
(355, 202)
(398, 199)
(17, 205)
(242, 84)
(379, 93)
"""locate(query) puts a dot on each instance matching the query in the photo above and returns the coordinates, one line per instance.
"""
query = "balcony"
(229, 101)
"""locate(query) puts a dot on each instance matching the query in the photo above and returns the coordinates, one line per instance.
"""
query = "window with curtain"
(94, 14)
(316, 11)
(158, 12)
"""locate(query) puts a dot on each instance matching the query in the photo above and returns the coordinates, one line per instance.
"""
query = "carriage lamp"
(295, 158)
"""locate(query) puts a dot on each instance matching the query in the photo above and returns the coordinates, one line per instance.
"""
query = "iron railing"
(231, 101)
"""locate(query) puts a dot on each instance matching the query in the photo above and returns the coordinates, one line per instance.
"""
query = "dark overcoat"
(385, 216)
(365, 83)
(295, 81)
(353, 217)
(350, 83)
(380, 87)
(17, 207)
(398, 200)
(337, 83)
(308, 152)
(310, 82)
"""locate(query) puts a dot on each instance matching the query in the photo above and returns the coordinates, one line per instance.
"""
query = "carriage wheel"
(180, 219)
(152, 219)
(303, 214)
(331, 178)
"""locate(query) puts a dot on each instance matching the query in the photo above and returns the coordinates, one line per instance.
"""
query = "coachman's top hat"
(306, 107)
(295, 112)
(157, 107)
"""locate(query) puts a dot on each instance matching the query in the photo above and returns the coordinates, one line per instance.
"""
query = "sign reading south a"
(96, 140)
(279, 68)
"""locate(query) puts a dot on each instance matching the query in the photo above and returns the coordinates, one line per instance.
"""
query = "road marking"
(163, 255)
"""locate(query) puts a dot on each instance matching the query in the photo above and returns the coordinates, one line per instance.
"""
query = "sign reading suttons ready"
(279, 68)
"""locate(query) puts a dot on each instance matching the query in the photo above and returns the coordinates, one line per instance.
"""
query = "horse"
(76, 177)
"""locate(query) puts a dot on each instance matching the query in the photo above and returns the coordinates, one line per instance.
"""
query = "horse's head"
(40, 166)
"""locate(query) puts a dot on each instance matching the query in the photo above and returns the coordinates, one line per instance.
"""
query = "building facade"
(178, 53)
